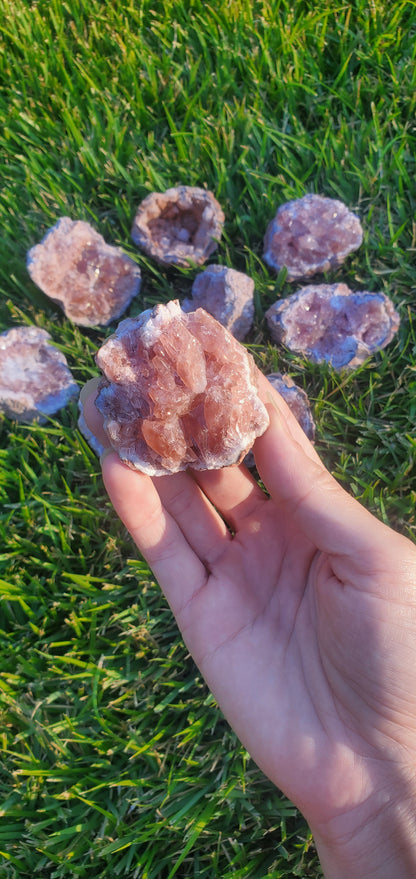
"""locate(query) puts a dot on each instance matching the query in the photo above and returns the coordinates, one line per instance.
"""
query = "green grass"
(115, 759)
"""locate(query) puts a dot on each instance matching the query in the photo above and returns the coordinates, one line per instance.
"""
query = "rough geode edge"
(228, 295)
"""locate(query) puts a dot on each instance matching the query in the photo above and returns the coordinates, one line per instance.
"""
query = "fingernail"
(273, 403)
(88, 389)
(108, 451)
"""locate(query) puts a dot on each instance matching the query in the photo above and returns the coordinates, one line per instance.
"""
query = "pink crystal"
(179, 226)
(329, 322)
(309, 235)
(34, 377)
(179, 390)
(227, 295)
(92, 281)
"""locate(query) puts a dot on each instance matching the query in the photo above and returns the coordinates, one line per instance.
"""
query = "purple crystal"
(227, 295)
(309, 235)
(92, 281)
(330, 323)
(179, 226)
(34, 377)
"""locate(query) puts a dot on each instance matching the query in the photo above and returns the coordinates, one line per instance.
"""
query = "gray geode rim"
(228, 295)
(184, 197)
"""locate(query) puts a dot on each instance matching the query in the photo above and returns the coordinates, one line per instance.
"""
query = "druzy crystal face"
(34, 377)
(309, 235)
(330, 323)
(178, 391)
(92, 281)
(179, 226)
(227, 295)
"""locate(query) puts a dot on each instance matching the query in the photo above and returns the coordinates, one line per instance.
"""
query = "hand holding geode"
(178, 391)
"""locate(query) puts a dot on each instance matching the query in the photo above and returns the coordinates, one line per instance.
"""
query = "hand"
(300, 610)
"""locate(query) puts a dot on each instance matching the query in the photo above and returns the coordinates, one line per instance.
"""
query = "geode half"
(227, 295)
(309, 235)
(330, 323)
(35, 380)
(92, 281)
(178, 391)
(179, 226)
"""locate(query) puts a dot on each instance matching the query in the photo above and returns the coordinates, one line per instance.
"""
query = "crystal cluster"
(179, 226)
(227, 295)
(34, 377)
(330, 323)
(309, 235)
(92, 281)
(178, 391)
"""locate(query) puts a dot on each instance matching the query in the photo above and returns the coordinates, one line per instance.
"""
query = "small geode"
(178, 391)
(179, 226)
(309, 235)
(331, 323)
(227, 295)
(297, 400)
(35, 380)
(92, 281)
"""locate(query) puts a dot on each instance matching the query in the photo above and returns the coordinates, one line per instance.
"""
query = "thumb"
(298, 481)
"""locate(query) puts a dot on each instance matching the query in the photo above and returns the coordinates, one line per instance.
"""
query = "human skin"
(299, 608)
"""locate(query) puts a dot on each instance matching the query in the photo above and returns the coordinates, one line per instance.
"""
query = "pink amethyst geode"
(35, 380)
(92, 281)
(227, 295)
(331, 323)
(179, 226)
(309, 235)
(178, 391)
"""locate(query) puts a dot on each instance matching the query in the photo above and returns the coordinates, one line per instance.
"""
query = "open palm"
(297, 606)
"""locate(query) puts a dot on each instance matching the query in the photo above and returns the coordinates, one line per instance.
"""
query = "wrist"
(376, 841)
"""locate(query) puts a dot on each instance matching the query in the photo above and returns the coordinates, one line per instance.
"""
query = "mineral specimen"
(178, 391)
(227, 295)
(329, 322)
(309, 235)
(92, 281)
(298, 403)
(297, 400)
(179, 226)
(35, 380)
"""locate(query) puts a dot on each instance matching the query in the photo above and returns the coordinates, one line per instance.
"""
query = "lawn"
(116, 760)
